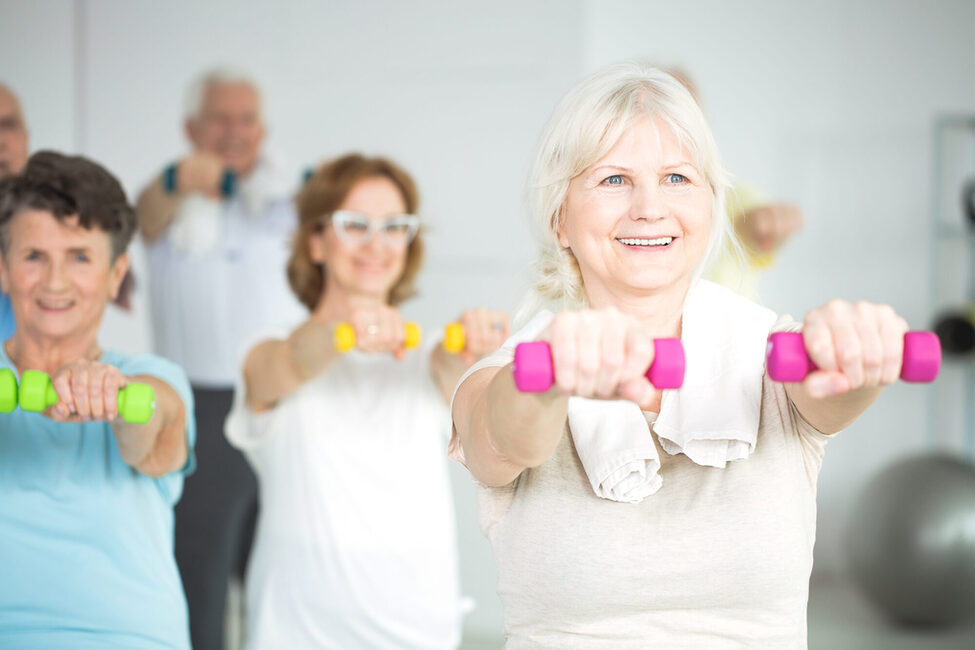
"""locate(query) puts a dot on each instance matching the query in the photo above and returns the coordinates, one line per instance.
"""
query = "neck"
(337, 304)
(659, 311)
(47, 354)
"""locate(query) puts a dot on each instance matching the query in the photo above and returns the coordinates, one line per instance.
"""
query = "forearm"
(506, 431)
(312, 348)
(159, 446)
(276, 368)
(155, 210)
(834, 413)
(447, 371)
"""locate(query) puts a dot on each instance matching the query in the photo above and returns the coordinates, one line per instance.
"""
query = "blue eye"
(615, 179)
(81, 257)
(676, 178)
(33, 255)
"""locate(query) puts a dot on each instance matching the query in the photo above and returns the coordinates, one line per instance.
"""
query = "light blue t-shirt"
(86, 541)
(7, 322)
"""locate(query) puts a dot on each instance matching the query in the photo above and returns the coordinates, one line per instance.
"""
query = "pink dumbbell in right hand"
(533, 368)
(786, 358)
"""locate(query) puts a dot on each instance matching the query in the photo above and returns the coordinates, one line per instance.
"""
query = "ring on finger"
(497, 325)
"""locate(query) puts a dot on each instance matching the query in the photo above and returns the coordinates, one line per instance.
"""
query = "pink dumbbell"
(534, 374)
(786, 358)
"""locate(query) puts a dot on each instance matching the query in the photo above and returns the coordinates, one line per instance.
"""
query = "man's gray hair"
(218, 76)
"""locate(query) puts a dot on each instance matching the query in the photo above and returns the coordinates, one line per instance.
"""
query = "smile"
(636, 241)
(55, 304)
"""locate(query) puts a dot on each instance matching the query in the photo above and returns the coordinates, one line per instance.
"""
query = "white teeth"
(659, 241)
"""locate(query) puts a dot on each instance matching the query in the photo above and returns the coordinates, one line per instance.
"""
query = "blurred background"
(862, 113)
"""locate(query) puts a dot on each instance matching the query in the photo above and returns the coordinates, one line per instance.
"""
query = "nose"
(374, 242)
(56, 277)
(648, 202)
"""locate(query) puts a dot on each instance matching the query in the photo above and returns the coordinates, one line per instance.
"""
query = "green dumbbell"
(8, 390)
(136, 402)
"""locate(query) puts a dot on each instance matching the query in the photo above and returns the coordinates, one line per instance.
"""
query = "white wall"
(828, 104)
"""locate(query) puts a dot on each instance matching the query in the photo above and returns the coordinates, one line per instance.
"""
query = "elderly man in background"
(13, 157)
(13, 134)
(216, 226)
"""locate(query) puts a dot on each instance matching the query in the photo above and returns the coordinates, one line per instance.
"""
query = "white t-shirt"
(218, 274)
(717, 558)
(356, 542)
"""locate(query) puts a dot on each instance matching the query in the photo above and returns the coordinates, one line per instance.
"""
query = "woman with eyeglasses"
(355, 545)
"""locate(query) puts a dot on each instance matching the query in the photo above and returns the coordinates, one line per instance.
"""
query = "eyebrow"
(611, 166)
(678, 165)
(628, 170)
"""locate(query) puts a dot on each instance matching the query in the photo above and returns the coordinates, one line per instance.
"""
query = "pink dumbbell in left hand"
(534, 373)
(786, 358)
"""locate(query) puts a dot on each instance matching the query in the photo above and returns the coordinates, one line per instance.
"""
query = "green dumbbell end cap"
(8, 390)
(36, 391)
(136, 402)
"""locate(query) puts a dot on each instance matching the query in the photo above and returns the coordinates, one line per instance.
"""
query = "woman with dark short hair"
(86, 526)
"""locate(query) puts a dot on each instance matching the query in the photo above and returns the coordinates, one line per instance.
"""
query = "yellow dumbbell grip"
(454, 339)
(413, 335)
(344, 336)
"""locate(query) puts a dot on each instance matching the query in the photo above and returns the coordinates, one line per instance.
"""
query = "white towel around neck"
(712, 419)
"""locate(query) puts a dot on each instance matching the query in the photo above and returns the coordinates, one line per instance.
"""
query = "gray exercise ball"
(911, 541)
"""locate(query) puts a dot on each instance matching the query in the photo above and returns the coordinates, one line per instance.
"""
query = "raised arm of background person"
(156, 208)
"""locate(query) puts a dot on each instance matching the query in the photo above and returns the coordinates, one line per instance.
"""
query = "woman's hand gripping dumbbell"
(847, 346)
(94, 391)
(787, 360)
(478, 332)
(601, 354)
(377, 330)
(200, 172)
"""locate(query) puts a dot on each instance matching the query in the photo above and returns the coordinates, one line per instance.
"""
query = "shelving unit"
(951, 402)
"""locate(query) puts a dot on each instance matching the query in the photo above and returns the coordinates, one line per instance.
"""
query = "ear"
(560, 228)
(119, 268)
(189, 129)
(4, 277)
(316, 247)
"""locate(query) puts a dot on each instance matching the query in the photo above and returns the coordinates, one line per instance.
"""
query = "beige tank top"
(717, 558)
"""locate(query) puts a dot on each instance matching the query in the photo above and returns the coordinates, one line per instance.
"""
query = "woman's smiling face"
(638, 219)
(59, 275)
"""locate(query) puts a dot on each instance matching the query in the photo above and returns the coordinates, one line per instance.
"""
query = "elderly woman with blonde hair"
(621, 515)
(355, 543)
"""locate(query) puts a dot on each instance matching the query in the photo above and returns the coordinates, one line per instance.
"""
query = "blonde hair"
(585, 125)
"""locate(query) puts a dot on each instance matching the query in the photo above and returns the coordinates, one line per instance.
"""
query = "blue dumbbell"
(228, 182)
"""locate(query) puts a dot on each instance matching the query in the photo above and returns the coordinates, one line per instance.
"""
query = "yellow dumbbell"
(454, 338)
(344, 336)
